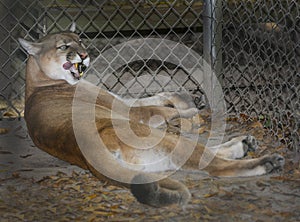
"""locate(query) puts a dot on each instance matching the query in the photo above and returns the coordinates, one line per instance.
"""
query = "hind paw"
(273, 162)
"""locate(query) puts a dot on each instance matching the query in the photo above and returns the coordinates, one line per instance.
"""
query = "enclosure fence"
(253, 47)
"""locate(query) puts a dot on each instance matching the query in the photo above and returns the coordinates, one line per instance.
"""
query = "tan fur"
(48, 115)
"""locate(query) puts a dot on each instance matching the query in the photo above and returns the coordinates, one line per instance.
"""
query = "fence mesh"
(260, 58)
(254, 48)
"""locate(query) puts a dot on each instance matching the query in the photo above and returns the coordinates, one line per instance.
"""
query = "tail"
(161, 193)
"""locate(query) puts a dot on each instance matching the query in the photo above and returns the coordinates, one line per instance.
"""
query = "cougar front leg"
(237, 147)
(151, 115)
(156, 116)
(179, 100)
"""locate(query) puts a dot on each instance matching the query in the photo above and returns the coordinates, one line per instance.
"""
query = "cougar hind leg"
(168, 191)
(244, 168)
(237, 147)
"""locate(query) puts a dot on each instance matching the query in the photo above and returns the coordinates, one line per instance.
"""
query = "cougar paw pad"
(274, 162)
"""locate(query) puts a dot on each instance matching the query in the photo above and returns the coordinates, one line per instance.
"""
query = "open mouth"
(76, 69)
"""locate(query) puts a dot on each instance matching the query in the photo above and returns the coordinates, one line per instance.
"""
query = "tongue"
(67, 65)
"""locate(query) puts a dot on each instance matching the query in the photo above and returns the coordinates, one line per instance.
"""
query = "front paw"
(273, 162)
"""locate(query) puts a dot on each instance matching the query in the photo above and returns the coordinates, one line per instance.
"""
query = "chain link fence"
(252, 45)
(260, 52)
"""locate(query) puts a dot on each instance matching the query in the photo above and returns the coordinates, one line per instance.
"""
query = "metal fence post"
(208, 23)
(212, 35)
(212, 32)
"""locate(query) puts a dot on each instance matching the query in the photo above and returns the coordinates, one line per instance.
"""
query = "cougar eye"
(63, 47)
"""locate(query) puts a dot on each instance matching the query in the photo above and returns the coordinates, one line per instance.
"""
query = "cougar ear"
(73, 27)
(31, 47)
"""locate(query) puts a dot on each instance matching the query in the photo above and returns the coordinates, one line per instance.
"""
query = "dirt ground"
(38, 187)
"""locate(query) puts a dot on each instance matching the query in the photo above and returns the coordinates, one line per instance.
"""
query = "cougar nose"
(83, 55)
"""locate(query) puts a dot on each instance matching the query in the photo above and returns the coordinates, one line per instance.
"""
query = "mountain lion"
(55, 67)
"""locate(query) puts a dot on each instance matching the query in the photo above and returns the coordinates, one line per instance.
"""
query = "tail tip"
(161, 193)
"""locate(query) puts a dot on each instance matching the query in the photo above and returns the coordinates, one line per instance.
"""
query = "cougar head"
(61, 56)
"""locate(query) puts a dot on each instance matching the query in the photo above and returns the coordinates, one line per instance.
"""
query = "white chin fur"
(74, 82)
(70, 79)
(61, 74)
